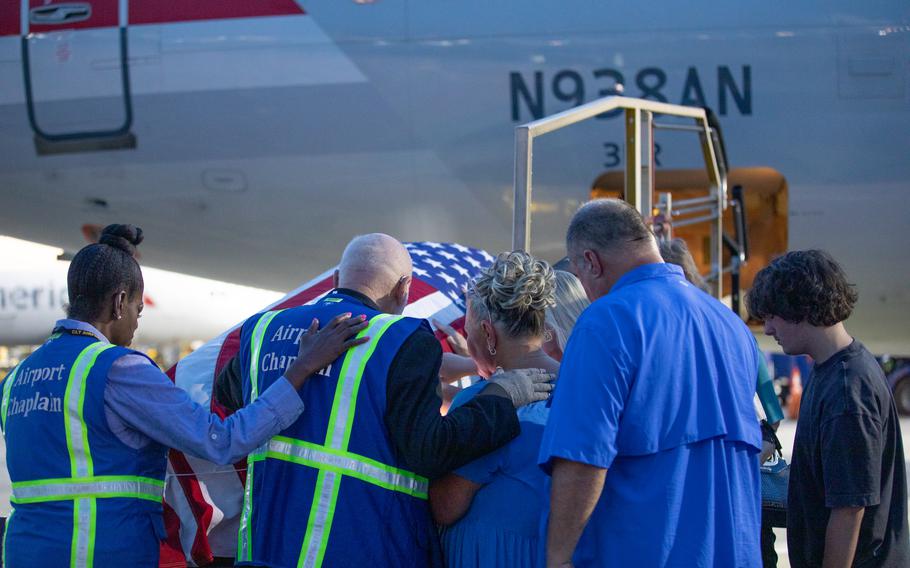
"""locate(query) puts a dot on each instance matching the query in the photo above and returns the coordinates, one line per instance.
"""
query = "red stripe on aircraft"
(105, 13)
(157, 12)
(9, 17)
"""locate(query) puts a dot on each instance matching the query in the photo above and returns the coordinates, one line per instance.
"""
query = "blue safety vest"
(330, 490)
(81, 497)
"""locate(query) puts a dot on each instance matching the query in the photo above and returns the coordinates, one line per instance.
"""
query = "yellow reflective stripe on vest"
(81, 463)
(345, 463)
(82, 551)
(6, 531)
(332, 459)
(338, 434)
(256, 347)
(7, 386)
(257, 338)
(100, 487)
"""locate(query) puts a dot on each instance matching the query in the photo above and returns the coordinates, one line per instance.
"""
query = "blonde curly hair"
(570, 302)
(516, 291)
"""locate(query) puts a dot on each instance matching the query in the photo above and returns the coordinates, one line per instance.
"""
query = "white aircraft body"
(251, 140)
(178, 308)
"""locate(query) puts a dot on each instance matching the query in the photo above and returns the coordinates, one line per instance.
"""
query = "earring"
(491, 349)
(119, 317)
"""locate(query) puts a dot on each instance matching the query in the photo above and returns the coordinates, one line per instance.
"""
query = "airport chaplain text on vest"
(81, 498)
(329, 491)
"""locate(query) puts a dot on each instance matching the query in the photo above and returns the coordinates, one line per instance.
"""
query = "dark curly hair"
(806, 285)
(101, 269)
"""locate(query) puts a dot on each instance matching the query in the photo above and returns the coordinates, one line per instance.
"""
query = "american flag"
(203, 500)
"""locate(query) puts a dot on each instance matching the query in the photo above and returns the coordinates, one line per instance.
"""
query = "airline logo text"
(21, 298)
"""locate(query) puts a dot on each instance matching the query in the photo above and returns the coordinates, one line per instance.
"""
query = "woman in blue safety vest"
(87, 421)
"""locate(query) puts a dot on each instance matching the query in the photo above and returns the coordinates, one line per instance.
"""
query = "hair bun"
(123, 237)
(516, 281)
(516, 290)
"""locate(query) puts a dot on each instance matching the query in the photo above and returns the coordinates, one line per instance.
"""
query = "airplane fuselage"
(263, 141)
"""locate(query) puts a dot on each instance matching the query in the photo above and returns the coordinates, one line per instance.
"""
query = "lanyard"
(76, 332)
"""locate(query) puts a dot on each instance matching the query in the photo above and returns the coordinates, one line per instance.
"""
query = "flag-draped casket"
(203, 500)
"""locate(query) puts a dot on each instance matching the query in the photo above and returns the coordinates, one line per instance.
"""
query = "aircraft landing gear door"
(76, 75)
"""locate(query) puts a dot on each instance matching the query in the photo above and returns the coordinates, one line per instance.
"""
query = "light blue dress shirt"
(142, 404)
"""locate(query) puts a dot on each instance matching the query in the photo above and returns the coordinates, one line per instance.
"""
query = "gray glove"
(525, 386)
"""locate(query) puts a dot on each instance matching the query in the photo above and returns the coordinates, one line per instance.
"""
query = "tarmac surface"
(786, 432)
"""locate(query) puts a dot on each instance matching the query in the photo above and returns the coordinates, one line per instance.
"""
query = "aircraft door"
(76, 74)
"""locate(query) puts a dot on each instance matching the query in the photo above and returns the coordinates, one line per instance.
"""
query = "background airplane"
(179, 309)
(252, 139)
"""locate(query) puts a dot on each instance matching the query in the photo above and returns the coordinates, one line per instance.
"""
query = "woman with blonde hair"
(570, 302)
(561, 317)
(491, 508)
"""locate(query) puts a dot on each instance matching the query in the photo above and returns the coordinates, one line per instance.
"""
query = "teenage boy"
(848, 487)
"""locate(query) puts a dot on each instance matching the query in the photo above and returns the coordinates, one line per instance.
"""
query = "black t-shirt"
(848, 452)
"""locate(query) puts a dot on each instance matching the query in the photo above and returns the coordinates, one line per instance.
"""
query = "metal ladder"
(640, 127)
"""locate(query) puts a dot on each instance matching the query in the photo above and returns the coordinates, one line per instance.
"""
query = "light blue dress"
(503, 525)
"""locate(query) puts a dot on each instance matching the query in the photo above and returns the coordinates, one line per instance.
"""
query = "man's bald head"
(379, 266)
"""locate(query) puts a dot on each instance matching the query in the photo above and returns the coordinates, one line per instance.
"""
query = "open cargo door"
(765, 196)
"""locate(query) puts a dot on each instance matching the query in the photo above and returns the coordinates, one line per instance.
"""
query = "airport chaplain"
(87, 422)
(346, 484)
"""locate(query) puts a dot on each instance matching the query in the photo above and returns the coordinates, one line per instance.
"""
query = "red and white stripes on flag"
(202, 500)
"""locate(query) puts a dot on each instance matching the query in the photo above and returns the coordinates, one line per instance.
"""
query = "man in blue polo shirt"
(652, 441)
